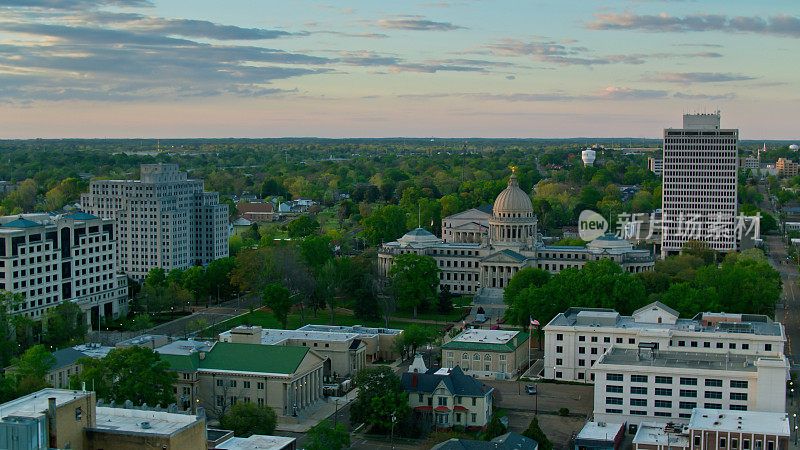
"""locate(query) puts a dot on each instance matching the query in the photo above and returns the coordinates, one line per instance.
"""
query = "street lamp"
(394, 419)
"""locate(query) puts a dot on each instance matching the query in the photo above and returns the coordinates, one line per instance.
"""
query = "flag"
(431, 223)
(534, 322)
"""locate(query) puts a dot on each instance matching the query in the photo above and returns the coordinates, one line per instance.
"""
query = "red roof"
(423, 408)
(442, 408)
(244, 208)
(459, 408)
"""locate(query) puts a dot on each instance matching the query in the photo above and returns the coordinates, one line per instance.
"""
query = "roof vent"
(145, 425)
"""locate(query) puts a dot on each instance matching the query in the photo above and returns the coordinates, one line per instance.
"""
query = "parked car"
(530, 389)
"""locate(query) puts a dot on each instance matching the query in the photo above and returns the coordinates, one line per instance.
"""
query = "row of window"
(687, 381)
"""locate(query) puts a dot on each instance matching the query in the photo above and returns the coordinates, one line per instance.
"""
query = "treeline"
(691, 283)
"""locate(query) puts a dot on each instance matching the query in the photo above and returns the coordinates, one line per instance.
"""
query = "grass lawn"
(266, 319)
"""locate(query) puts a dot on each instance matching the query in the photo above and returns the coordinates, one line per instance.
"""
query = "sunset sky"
(453, 68)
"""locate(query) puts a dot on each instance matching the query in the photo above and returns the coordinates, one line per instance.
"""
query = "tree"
(246, 419)
(218, 277)
(251, 270)
(316, 250)
(493, 429)
(329, 279)
(700, 250)
(523, 279)
(444, 304)
(380, 395)
(155, 277)
(415, 336)
(326, 436)
(303, 226)
(535, 432)
(31, 369)
(64, 324)
(134, 373)
(414, 278)
(196, 282)
(384, 224)
(276, 298)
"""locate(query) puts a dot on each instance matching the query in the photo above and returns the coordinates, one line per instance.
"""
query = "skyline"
(466, 68)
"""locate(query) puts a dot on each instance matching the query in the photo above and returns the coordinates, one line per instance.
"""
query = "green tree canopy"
(246, 419)
(326, 436)
(276, 298)
(31, 369)
(535, 432)
(380, 395)
(415, 279)
(384, 225)
(134, 373)
(303, 226)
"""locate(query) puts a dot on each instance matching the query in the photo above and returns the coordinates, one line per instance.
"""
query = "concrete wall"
(69, 427)
(191, 437)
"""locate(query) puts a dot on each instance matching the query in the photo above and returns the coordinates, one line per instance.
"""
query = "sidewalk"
(322, 411)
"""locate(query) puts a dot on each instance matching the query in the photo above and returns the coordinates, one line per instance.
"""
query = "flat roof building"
(576, 338)
(636, 385)
(487, 353)
(380, 341)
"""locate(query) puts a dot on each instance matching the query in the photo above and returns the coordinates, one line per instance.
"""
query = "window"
(474, 402)
(474, 417)
(442, 401)
(638, 378)
(581, 362)
(582, 350)
(607, 340)
(688, 393)
(767, 348)
(662, 414)
(689, 381)
(713, 383)
(713, 405)
(78, 413)
(613, 400)
(697, 441)
(581, 338)
(687, 405)
(631, 341)
(738, 407)
(745, 444)
(732, 345)
(619, 340)
(636, 390)
(420, 398)
(233, 383)
(744, 347)
(614, 389)
(559, 349)
(663, 404)
(638, 402)
(722, 442)
(613, 377)
(663, 380)
(220, 383)
(594, 338)
(739, 396)
(739, 384)
(260, 385)
(638, 413)
(559, 337)
(719, 344)
(714, 394)
(594, 350)
(613, 411)
(663, 392)
(246, 384)
(559, 361)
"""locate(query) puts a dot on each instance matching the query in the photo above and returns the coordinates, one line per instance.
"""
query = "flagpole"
(530, 335)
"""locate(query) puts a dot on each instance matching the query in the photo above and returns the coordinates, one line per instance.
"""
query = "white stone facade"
(634, 385)
(66, 258)
(481, 251)
(576, 339)
(163, 220)
(700, 184)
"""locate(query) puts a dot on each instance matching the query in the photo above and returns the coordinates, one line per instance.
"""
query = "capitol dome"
(513, 201)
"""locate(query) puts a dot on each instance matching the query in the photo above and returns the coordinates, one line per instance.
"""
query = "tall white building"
(643, 384)
(163, 220)
(66, 258)
(699, 184)
(577, 338)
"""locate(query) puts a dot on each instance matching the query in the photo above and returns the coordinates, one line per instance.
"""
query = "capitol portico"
(476, 259)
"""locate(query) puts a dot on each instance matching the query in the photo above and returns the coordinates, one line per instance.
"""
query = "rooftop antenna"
(419, 215)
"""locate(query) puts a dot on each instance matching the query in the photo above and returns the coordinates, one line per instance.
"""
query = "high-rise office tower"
(699, 184)
(163, 220)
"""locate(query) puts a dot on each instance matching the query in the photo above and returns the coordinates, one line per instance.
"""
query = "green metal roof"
(186, 363)
(80, 215)
(21, 223)
(254, 358)
(507, 347)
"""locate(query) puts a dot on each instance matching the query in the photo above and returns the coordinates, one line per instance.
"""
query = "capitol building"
(482, 248)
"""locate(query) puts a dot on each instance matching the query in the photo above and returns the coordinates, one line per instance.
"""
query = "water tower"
(588, 157)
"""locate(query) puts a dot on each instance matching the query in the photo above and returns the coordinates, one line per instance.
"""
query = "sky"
(448, 68)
